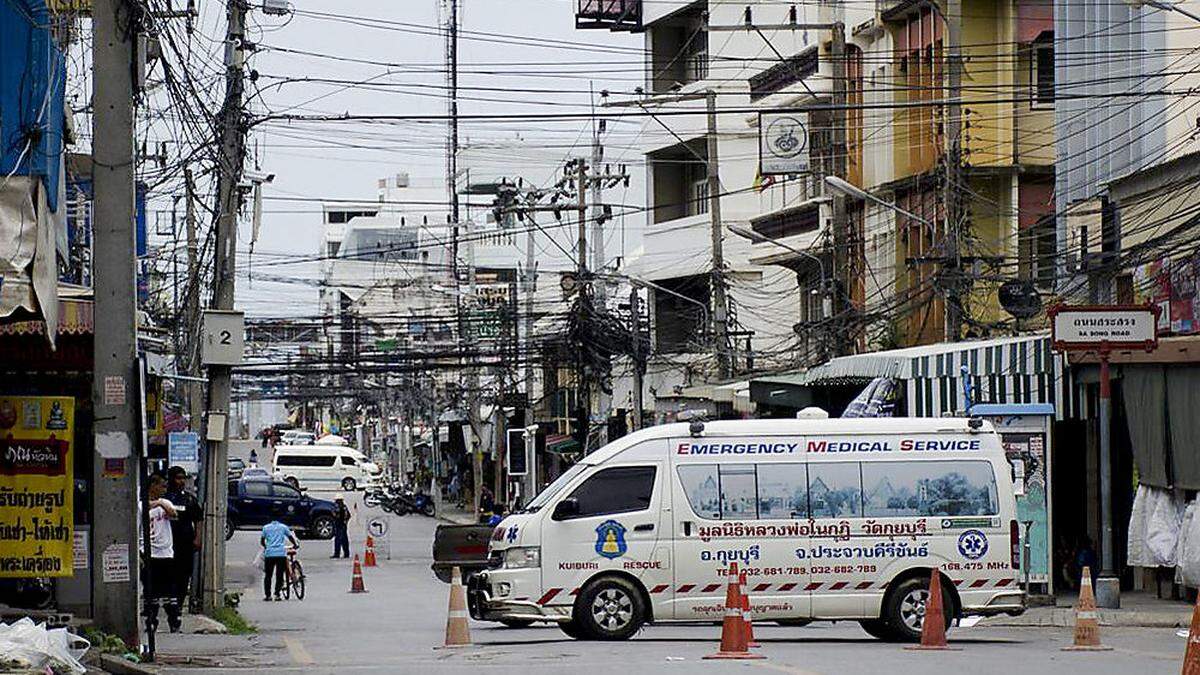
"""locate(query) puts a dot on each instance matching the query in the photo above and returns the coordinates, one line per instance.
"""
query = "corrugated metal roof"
(913, 362)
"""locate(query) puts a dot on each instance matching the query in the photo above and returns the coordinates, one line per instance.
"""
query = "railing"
(609, 14)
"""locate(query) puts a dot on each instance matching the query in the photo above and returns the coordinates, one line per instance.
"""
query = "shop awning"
(561, 444)
(1020, 369)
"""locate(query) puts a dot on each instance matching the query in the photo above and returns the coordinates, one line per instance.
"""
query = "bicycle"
(295, 576)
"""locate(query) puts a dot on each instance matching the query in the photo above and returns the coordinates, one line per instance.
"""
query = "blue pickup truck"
(256, 502)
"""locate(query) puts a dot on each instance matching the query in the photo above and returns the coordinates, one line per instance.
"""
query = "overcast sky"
(514, 58)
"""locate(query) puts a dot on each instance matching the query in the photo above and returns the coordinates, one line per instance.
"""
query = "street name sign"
(1083, 327)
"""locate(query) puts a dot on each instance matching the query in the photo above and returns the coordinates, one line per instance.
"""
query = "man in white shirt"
(160, 580)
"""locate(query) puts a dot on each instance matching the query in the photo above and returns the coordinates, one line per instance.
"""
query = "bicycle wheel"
(298, 571)
(287, 589)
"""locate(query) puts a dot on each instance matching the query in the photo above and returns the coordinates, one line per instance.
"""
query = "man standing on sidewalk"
(341, 516)
(160, 572)
(185, 530)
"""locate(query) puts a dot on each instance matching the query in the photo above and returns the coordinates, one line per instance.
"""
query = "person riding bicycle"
(274, 540)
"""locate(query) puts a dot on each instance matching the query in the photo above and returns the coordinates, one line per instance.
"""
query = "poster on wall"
(37, 527)
(1028, 452)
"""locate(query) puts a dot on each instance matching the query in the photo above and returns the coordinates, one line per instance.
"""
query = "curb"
(111, 663)
(1065, 618)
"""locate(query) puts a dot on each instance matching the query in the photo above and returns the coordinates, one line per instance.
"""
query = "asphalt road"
(396, 626)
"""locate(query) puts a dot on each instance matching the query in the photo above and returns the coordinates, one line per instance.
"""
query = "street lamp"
(846, 189)
(762, 238)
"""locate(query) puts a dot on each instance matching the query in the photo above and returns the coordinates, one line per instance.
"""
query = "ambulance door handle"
(687, 528)
(644, 527)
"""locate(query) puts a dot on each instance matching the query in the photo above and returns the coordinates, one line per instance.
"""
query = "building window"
(1043, 71)
(678, 49)
(1038, 253)
(679, 322)
(679, 176)
(697, 180)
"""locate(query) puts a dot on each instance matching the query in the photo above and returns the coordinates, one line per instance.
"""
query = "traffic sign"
(782, 143)
(377, 526)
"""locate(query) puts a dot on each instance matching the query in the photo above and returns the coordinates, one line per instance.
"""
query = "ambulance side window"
(621, 489)
(835, 489)
(746, 491)
(937, 488)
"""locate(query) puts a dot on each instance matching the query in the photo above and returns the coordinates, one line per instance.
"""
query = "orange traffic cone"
(458, 630)
(933, 627)
(356, 580)
(369, 554)
(1087, 620)
(1191, 658)
(733, 630)
(747, 620)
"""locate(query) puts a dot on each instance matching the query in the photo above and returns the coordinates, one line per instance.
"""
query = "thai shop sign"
(782, 143)
(36, 486)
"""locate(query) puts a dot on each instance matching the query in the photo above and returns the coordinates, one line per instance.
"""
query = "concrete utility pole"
(952, 206)
(720, 313)
(195, 392)
(114, 386)
(639, 363)
(231, 157)
(843, 274)
(530, 483)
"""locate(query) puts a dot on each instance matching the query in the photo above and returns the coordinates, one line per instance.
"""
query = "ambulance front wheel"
(610, 608)
(571, 629)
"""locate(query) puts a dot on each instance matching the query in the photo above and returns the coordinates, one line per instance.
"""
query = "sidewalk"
(1137, 610)
(457, 516)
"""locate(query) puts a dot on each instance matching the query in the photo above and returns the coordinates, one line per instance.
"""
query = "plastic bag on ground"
(1189, 556)
(1162, 533)
(28, 646)
(1185, 528)
(1135, 552)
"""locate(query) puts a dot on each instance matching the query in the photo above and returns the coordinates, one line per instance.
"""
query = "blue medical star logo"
(973, 544)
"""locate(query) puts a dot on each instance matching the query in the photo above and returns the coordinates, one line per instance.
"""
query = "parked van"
(325, 467)
(831, 519)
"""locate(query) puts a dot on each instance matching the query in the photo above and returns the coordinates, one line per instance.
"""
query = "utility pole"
(720, 311)
(952, 206)
(195, 393)
(843, 274)
(114, 386)
(231, 156)
(639, 363)
(584, 399)
(527, 353)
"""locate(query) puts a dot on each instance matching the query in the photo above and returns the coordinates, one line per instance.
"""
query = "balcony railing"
(610, 14)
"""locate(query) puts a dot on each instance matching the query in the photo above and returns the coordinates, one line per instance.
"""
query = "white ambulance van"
(831, 519)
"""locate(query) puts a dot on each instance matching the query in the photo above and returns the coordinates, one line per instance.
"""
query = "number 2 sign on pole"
(223, 338)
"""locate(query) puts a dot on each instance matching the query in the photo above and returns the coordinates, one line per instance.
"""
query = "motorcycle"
(406, 501)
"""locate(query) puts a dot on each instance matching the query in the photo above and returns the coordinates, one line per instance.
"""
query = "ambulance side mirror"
(567, 508)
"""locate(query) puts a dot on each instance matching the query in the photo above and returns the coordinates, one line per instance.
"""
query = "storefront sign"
(1101, 326)
(37, 487)
(782, 143)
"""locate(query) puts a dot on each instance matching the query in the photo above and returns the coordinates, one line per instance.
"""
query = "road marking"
(299, 654)
(782, 668)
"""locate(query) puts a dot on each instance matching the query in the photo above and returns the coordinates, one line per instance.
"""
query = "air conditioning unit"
(276, 7)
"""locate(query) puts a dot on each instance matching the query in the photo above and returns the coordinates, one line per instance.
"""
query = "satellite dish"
(1020, 298)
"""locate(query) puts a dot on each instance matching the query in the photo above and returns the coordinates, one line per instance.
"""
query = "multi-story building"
(875, 107)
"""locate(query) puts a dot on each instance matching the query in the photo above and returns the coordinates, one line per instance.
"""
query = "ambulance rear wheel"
(610, 608)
